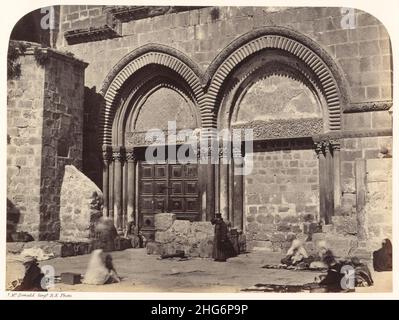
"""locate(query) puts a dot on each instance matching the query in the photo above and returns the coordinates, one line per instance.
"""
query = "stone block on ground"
(81, 206)
(164, 236)
(153, 248)
(181, 227)
(206, 248)
(163, 221)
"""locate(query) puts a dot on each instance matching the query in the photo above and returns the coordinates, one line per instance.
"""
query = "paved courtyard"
(148, 273)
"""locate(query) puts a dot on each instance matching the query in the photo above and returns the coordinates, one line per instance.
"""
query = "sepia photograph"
(199, 149)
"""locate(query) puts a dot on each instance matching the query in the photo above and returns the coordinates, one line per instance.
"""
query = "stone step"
(55, 249)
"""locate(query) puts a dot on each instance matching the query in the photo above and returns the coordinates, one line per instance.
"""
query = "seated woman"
(100, 269)
(382, 258)
(295, 254)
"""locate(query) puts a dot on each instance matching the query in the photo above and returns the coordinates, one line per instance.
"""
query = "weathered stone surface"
(205, 248)
(165, 236)
(195, 238)
(164, 221)
(260, 245)
(44, 131)
(153, 248)
(378, 206)
(53, 248)
(181, 228)
(345, 225)
(81, 206)
(281, 192)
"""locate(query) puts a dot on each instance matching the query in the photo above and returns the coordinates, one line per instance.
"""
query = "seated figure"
(100, 269)
(295, 254)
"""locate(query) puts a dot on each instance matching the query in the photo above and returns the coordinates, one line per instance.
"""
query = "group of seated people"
(351, 269)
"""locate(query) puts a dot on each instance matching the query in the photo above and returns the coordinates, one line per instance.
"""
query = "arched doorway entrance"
(150, 99)
(283, 91)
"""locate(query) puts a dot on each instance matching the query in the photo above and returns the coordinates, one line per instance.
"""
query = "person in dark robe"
(333, 280)
(382, 258)
(221, 242)
(33, 277)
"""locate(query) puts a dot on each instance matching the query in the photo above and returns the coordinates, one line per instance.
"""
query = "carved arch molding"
(206, 88)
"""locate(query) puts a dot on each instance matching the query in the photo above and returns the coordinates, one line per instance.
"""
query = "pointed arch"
(301, 47)
(151, 54)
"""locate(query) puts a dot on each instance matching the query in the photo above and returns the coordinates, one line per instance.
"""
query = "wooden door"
(167, 188)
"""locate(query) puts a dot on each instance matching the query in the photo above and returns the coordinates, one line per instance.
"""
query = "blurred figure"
(100, 269)
(316, 260)
(106, 234)
(295, 254)
(382, 258)
(133, 233)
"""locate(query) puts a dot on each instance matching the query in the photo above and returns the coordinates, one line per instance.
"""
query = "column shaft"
(131, 184)
(118, 185)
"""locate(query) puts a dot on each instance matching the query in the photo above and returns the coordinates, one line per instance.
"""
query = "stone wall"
(44, 130)
(25, 97)
(351, 149)
(281, 194)
(62, 136)
(363, 53)
(379, 201)
(195, 238)
(81, 206)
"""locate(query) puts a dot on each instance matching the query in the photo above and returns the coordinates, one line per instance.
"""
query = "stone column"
(361, 192)
(336, 148)
(111, 189)
(106, 161)
(224, 155)
(319, 148)
(124, 197)
(238, 188)
(210, 186)
(329, 182)
(326, 180)
(131, 184)
(118, 156)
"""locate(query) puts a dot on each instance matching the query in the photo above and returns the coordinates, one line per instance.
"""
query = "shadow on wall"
(50, 185)
(13, 218)
(92, 157)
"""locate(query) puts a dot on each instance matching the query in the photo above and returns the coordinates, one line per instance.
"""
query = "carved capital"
(319, 148)
(131, 156)
(324, 146)
(118, 154)
(335, 144)
(224, 152)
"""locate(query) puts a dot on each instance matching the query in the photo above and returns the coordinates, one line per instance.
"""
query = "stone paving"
(148, 273)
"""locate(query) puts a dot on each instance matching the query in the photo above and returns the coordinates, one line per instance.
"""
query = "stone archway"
(214, 95)
(285, 64)
(148, 88)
